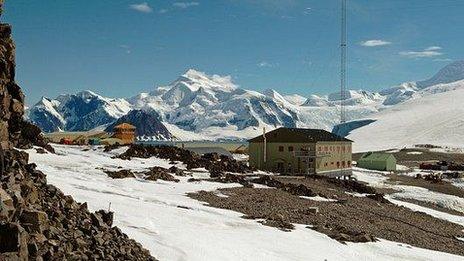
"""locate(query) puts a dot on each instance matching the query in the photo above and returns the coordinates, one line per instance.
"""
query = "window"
(319, 148)
(349, 163)
(326, 164)
(290, 148)
(326, 148)
(281, 148)
(338, 164)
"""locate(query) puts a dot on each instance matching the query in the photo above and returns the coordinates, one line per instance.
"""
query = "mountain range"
(201, 106)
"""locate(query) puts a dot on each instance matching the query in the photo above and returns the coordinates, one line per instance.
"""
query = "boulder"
(34, 221)
(13, 242)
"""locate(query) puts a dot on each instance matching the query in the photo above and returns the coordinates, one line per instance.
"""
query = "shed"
(377, 161)
(94, 141)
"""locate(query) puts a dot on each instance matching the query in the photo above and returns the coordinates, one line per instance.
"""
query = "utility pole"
(343, 64)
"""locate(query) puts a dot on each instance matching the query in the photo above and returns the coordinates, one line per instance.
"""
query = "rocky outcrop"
(216, 164)
(37, 221)
(11, 96)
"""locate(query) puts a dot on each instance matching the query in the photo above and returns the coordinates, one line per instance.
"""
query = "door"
(280, 167)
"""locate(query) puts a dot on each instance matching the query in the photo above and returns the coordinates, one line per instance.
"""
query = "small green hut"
(377, 161)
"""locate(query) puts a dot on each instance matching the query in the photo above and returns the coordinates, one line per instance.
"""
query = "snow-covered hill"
(433, 115)
(173, 226)
(201, 106)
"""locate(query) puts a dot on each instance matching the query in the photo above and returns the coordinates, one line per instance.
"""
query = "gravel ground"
(432, 206)
(349, 218)
(440, 187)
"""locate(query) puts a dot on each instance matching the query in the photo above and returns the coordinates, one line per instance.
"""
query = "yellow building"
(295, 151)
(125, 132)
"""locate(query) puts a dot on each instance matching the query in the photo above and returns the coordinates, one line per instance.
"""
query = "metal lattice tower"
(343, 64)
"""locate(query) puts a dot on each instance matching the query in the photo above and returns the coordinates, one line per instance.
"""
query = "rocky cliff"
(37, 221)
(11, 96)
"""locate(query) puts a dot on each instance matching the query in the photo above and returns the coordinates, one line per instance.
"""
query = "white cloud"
(433, 48)
(428, 52)
(307, 10)
(265, 64)
(185, 5)
(442, 60)
(126, 48)
(163, 11)
(374, 42)
(142, 7)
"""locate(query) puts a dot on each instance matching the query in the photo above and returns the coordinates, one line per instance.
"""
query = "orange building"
(125, 132)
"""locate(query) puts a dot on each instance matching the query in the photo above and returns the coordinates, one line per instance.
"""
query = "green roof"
(376, 156)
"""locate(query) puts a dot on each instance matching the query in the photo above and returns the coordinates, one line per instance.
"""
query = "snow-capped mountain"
(451, 73)
(77, 112)
(201, 106)
(147, 123)
(217, 108)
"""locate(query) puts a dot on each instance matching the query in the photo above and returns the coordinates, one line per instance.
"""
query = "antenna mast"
(343, 64)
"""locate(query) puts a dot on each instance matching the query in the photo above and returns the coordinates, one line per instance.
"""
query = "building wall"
(382, 165)
(278, 154)
(333, 155)
(333, 158)
(127, 136)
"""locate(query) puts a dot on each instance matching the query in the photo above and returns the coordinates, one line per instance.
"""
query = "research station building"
(124, 132)
(377, 161)
(296, 151)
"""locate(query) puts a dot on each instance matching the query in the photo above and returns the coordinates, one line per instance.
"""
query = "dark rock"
(34, 221)
(156, 173)
(215, 164)
(13, 240)
(107, 217)
(120, 174)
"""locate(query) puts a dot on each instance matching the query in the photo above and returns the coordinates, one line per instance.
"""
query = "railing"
(311, 154)
(304, 153)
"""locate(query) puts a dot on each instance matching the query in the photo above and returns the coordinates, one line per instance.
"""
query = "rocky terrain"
(214, 163)
(153, 174)
(341, 210)
(37, 221)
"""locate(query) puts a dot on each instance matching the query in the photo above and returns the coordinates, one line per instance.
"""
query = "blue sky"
(121, 47)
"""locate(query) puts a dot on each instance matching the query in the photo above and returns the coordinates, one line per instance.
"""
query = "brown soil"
(441, 187)
(350, 218)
